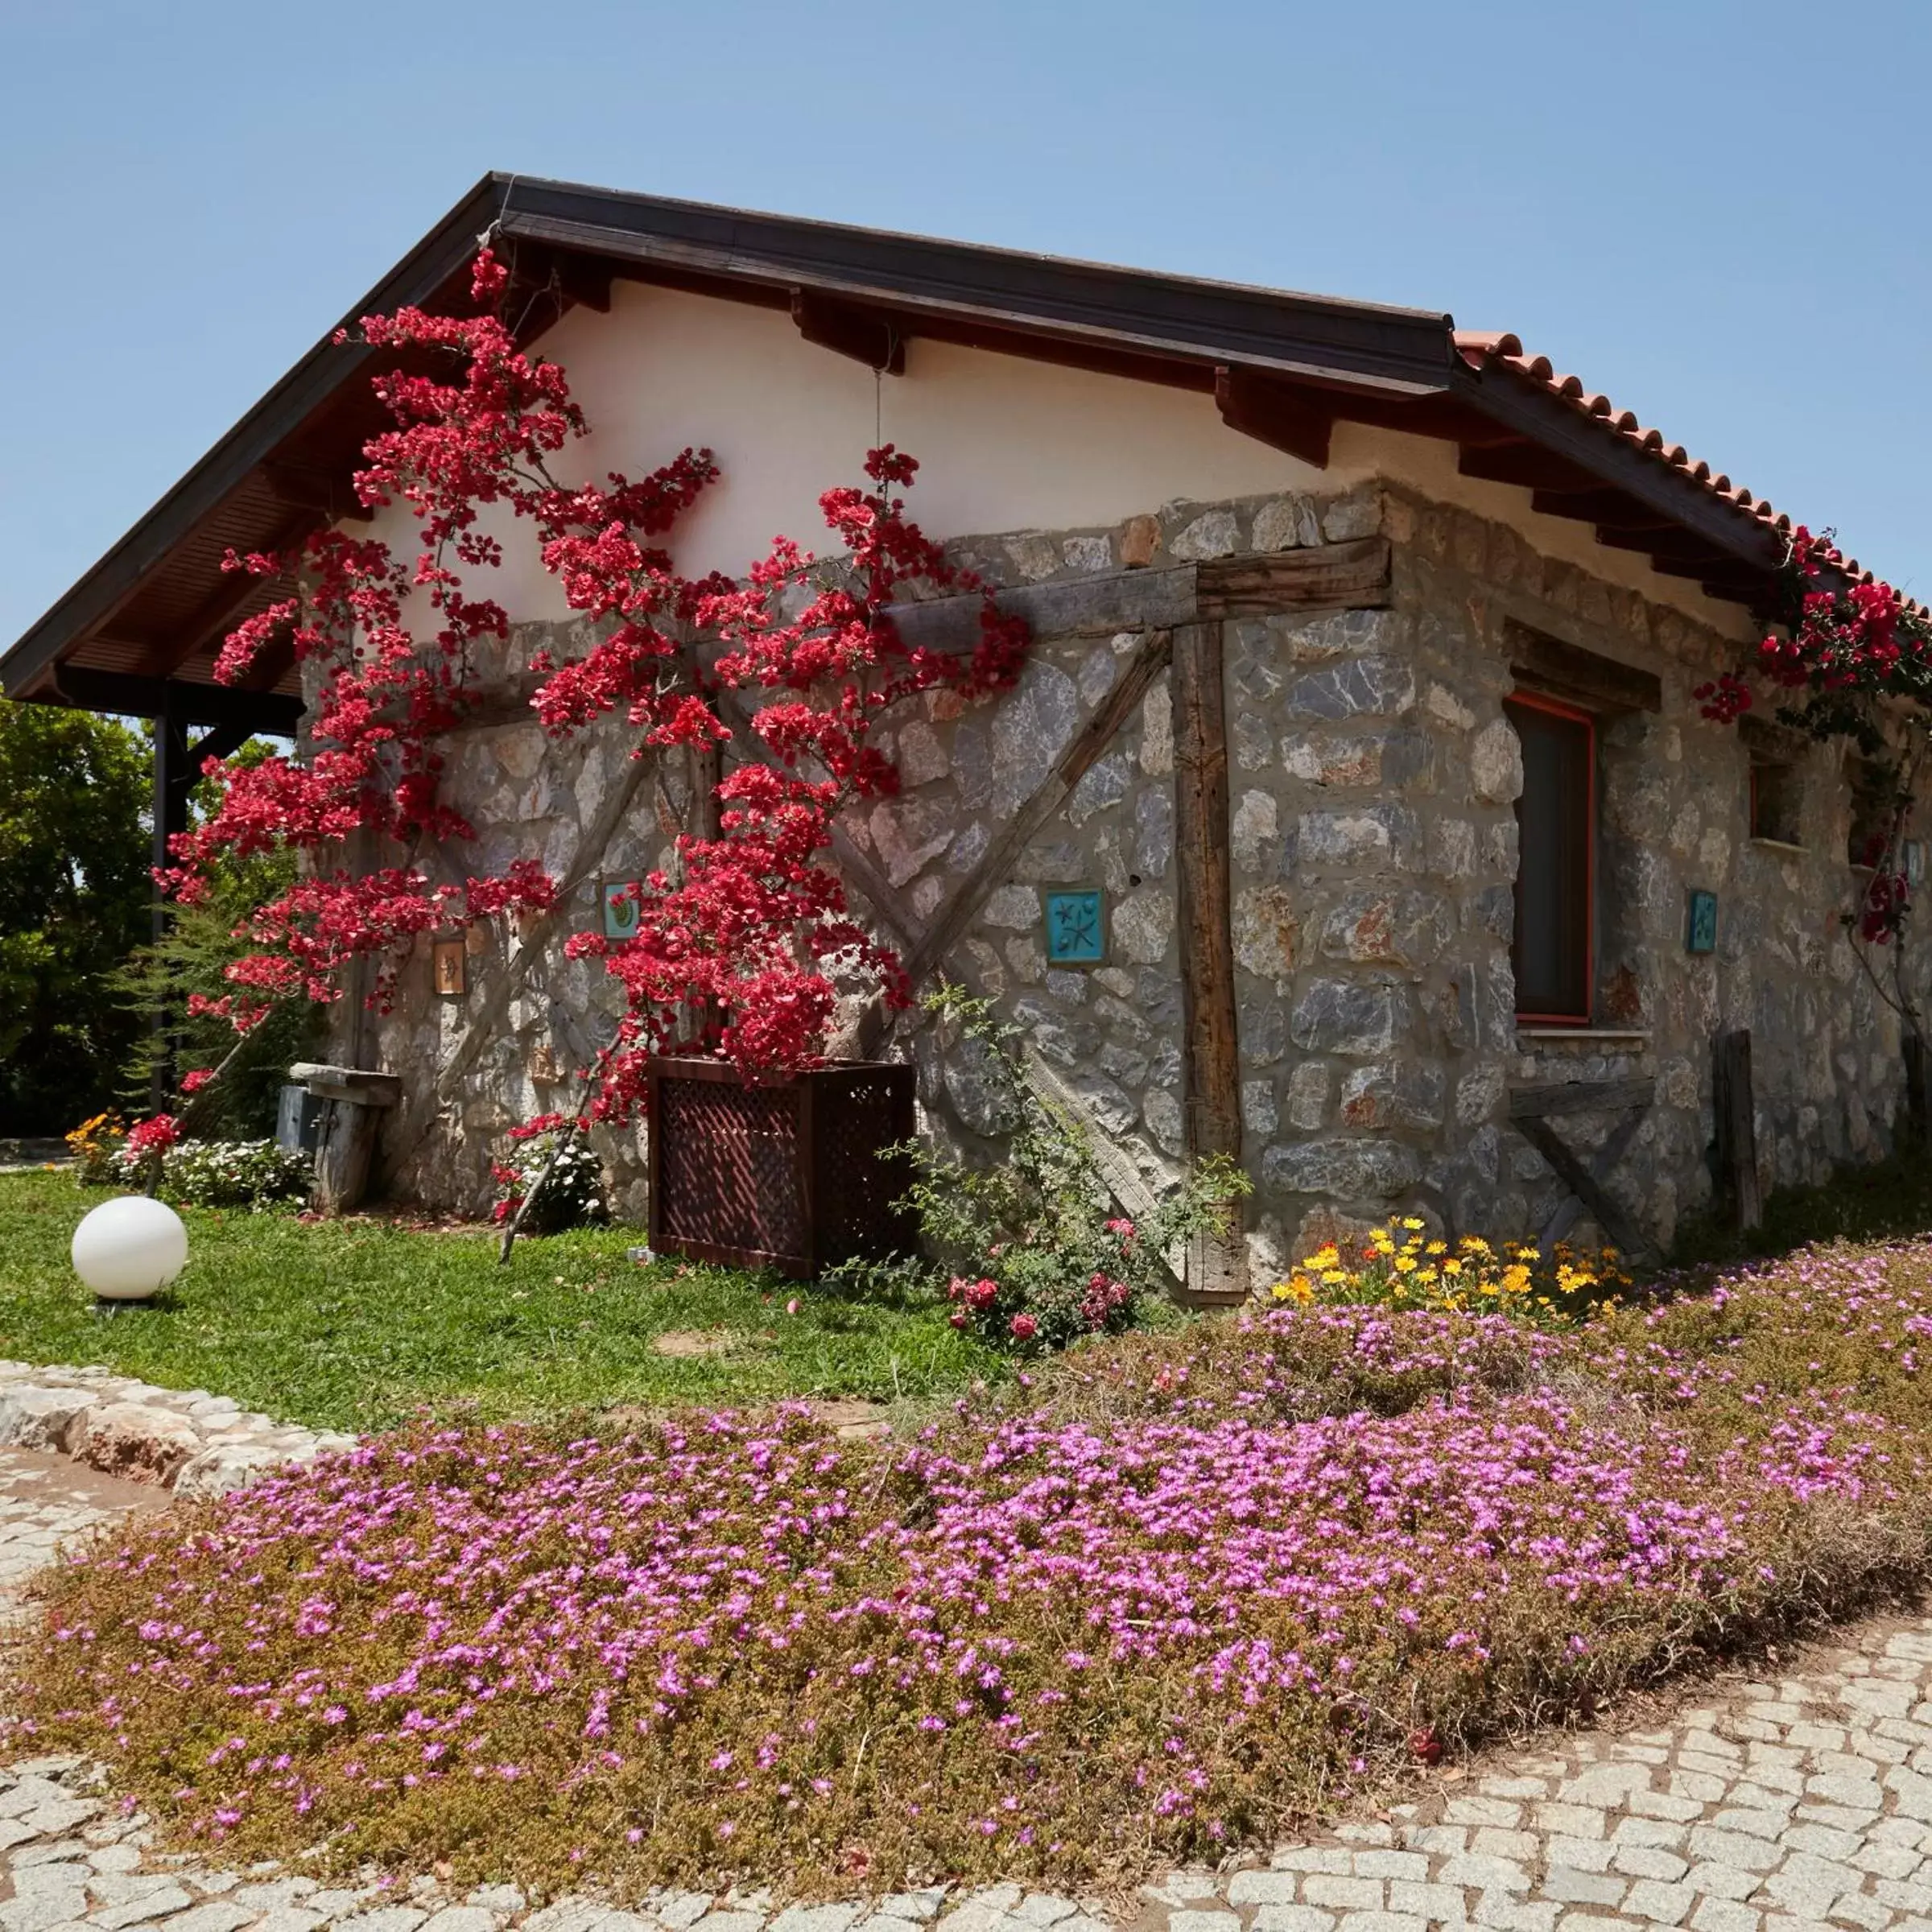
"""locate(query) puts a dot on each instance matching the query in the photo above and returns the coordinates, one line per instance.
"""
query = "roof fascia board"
(1531, 411)
(1401, 351)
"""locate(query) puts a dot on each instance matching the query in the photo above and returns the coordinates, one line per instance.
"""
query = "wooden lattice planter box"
(787, 1174)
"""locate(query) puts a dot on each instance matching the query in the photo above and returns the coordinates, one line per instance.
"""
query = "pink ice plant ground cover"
(1179, 1592)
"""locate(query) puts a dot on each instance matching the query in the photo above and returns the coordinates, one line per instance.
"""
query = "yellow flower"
(1405, 1263)
(1412, 1223)
(1335, 1277)
(1452, 1267)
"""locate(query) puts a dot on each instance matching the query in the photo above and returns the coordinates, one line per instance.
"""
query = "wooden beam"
(221, 609)
(174, 776)
(163, 657)
(1579, 1097)
(325, 494)
(1355, 575)
(1211, 1059)
(1567, 670)
(1131, 1195)
(1610, 508)
(1671, 543)
(586, 281)
(1603, 1160)
(1523, 463)
(110, 690)
(996, 862)
(272, 662)
(1569, 1169)
(1271, 412)
(586, 857)
(863, 334)
(1734, 1114)
(218, 741)
(1097, 606)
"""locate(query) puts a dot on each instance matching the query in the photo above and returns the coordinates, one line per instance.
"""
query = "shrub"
(94, 1144)
(256, 1174)
(1404, 1266)
(1032, 1251)
(569, 1194)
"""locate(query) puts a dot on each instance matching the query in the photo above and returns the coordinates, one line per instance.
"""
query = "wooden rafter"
(131, 697)
(1608, 509)
(1271, 412)
(865, 334)
(1521, 462)
(218, 612)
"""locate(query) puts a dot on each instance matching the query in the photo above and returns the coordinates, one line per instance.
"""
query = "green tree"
(198, 942)
(74, 904)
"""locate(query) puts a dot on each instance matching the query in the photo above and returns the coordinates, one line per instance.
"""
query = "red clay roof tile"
(1486, 348)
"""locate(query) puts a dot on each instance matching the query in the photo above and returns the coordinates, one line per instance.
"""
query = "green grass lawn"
(354, 1325)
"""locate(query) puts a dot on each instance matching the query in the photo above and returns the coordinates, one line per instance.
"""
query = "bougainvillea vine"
(738, 950)
(1848, 646)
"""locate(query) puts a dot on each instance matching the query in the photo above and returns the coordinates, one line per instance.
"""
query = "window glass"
(1554, 818)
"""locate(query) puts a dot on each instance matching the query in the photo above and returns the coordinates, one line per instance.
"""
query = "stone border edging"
(185, 1440)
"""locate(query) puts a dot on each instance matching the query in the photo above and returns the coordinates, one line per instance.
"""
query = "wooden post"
(1210, 1045)
(1736, 1128)
(174, 779)
(1916, 1100)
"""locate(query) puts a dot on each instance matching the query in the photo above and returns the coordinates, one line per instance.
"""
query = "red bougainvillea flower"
(736, 954)
(155, 1137)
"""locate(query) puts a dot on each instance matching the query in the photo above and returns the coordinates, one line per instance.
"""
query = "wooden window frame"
(1530, 699)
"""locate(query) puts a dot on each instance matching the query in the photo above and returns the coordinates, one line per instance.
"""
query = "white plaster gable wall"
(1004, 444)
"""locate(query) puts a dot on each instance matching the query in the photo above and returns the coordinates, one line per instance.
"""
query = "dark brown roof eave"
(1283, 364)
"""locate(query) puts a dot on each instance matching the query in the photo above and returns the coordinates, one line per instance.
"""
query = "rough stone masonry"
(1372, 836)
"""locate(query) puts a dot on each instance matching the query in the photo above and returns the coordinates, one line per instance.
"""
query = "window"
(1776, 800)
(1556, 825)
(1874, 810)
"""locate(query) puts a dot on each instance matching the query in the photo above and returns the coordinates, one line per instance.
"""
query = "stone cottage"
(1353, 814)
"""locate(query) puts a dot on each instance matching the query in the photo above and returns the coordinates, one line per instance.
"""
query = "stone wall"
(1372, 779)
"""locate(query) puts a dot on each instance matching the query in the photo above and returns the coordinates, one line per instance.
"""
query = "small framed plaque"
(450, 960)
(622, 913)
(1915, 862)
(1700, 927)
(1077, 927)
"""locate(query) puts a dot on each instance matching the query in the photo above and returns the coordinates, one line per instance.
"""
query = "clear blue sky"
(1717, 213)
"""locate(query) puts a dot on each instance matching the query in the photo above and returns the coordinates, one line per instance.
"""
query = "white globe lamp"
(130, 1248)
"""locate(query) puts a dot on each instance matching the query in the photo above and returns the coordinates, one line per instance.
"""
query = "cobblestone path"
(1780, 1806)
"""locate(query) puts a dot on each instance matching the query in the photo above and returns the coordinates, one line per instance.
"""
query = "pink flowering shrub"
(1181, 1590)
